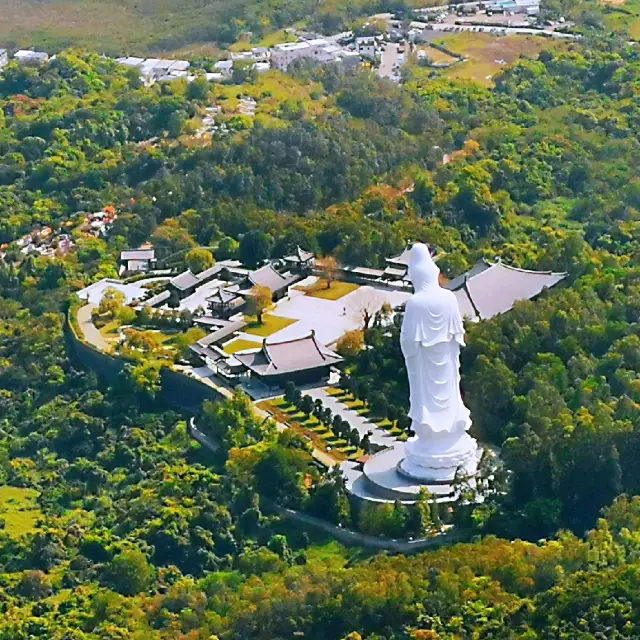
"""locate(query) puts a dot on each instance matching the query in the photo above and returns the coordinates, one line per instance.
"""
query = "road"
(89, 331)
(389, 58)
(447, 28)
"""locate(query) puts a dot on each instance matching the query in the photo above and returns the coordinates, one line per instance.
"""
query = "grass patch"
(270, 324)
(484, 50)
(354, 404)
(385, 423)
(316, 432)
(240, 345)
(19, 510)
(336, 291)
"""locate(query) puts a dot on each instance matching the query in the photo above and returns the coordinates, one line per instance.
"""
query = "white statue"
(431, 337)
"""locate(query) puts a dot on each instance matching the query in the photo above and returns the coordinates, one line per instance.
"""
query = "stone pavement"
(91, 334)
(379, 437)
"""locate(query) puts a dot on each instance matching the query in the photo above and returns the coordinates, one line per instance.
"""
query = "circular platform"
(383, 479)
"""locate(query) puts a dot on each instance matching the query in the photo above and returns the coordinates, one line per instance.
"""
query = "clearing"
(19, 510)
(488, 55)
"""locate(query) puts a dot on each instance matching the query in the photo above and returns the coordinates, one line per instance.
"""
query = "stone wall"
(177, 390)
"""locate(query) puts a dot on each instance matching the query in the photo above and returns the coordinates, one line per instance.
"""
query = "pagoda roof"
(402, 260)
(222, 296)
(268, 277)
(300, 255)
(489, 289)
(298, 354)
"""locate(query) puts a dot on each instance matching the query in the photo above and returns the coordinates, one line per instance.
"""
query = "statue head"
(423, 271)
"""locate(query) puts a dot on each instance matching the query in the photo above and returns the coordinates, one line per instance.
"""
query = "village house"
(27, 57)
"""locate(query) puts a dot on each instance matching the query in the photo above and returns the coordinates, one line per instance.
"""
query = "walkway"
(380, 437)
(89, 331)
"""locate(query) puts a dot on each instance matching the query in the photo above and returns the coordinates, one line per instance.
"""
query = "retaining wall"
(177, 389)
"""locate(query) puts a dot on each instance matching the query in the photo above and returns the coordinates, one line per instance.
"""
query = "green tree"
(129, 573)
(199, 259)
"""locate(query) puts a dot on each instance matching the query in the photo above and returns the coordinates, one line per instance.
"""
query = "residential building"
(4, 58)
(27, 57)
(225, 67)
(366, 47)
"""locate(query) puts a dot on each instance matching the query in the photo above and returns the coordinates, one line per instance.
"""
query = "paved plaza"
(331, 318)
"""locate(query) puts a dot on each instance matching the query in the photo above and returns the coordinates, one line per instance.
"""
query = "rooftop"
(137, 254)
(298, 354)
(300, 255)
(268, 277)
(489, 289)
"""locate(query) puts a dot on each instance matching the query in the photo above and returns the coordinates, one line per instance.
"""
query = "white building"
(27, 57)
(4, 58)
(366, 47)
(225, 67)
(284, 54)
(318, 49)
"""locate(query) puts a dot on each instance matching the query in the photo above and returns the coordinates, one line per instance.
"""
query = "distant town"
(385, 46)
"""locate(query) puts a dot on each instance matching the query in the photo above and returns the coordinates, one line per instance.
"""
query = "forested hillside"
(131, 530)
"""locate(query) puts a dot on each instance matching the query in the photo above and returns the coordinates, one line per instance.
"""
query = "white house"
(28, 57)
(225, 67)
(284, 54)
(366, 47)
(4, 58)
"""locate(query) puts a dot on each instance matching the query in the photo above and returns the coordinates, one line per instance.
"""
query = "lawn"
(240, 345)
(336, 291)
(270, 324)
(19, 510)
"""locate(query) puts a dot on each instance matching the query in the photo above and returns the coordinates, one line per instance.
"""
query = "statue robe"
(431, 337)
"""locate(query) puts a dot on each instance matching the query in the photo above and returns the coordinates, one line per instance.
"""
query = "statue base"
(383, 480)
(438, 456)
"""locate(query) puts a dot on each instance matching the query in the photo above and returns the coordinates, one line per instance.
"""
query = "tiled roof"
(299, 354)
(268, 277)
(183, 281)
(222, 295)
(224, 332)
(300, 255)
(137, 254)
(489, 289)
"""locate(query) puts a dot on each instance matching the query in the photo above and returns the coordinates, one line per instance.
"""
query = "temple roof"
(187, 279)
(300, 255)
(268, 277)
(489, 289)
(298, 354)
(402, 260)
(222, 296)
